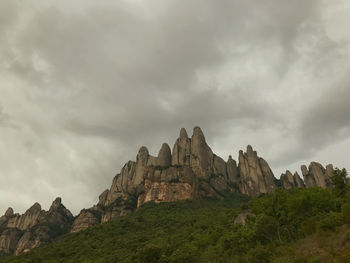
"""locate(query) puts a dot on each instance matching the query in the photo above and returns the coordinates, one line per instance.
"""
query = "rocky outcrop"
(317, 175)
(27, 220)
(255, 174)
(20, 233)
(9, 239)
(181, 150)
(87, 218)
(241, 219)
(290, 181)
(190, 171)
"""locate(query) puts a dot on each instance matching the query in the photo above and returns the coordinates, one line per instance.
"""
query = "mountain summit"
(190, 171)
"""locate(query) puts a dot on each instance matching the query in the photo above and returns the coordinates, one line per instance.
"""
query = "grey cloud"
(95, 81)
(328, 120)
(5, 120)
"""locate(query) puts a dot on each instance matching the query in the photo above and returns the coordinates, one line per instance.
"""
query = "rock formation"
(317, 175)
(290, 181)
(255, 174)
(192, 170)
(241, 219)
(20, 233)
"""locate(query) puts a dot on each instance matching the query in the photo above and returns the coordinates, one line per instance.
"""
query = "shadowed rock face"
(20, 233)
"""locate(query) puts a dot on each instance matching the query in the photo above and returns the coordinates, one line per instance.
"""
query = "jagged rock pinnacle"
(56, 203)
(183, 134)
(9, 212)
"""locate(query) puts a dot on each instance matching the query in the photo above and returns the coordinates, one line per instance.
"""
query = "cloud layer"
(85, 84)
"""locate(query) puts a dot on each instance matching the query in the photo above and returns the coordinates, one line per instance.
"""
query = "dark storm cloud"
(328, 120)
(87, 83)
(132, 64)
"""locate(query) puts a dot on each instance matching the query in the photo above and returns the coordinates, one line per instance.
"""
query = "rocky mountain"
(191, 170)
(20, 233)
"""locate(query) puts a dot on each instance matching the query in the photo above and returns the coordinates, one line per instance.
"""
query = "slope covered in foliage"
(300, 225)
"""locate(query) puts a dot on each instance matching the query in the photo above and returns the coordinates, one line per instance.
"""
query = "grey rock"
(164, 156)
(35, 227)
(298, 182)
(9, 239)
(103, 197)
(290, 181)
(9, 212)
(317, 175)
(287, 180)
(56, 204)
(232, 171)
(87, 218)
(201, 159)
(241, 219)
(192, 170)
(181, 150)
(255, 174)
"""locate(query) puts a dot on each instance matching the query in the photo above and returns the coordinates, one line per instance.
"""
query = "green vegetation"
(300, 225)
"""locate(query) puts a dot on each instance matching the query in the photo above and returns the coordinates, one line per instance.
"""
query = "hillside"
(297, 225)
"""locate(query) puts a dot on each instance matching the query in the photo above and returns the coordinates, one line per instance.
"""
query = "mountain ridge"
(190, 171)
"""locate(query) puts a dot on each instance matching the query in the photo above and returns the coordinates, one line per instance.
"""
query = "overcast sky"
(85, 83)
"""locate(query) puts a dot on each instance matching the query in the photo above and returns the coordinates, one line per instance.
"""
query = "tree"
(340, 181)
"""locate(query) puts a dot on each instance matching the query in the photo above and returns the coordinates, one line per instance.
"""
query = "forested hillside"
(298, 225)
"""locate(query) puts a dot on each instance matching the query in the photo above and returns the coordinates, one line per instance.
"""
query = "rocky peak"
(181, 150)
(142, 156)
(304, 170)
(298, 181)
(9, 212)
(34, 209)
(20, 233)
(232, 170)
(201, 154)
(290, 181)
(103, 197)
(191, 170)
(56, 204)
(164, 156)
(183, 134)
(250, 150)
(58, 212)
(317, 175)
(255, 174)
(329, 171)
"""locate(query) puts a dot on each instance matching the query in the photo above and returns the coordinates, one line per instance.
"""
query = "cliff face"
(20, 233)
(255, 174)
(190, 171)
